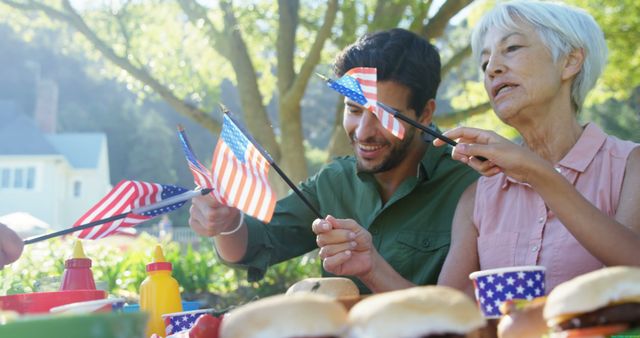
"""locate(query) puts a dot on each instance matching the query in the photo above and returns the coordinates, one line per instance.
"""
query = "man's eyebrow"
(352, 104)
(485, 51)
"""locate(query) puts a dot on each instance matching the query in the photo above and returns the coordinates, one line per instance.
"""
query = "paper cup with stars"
(493, 287)
(181, 321)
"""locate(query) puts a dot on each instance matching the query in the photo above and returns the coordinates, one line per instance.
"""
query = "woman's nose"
(495, 66)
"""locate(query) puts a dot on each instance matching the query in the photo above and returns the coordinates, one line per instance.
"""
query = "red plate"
(41, 302)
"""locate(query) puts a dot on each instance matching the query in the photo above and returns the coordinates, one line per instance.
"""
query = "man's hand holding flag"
(239, 172)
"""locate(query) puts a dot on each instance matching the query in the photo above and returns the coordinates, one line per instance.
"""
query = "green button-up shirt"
(412, 231)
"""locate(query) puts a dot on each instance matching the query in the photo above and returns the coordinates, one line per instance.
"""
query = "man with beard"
(388, 208)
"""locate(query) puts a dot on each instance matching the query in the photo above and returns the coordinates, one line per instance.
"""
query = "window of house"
(18, 178)
(31, 178)
(5, 178)
(77, 188)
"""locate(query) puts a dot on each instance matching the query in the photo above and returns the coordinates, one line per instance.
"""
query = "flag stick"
(172, 200)
(271, 161)
(422, 127)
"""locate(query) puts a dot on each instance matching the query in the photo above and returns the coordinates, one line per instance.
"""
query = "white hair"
(561, 28)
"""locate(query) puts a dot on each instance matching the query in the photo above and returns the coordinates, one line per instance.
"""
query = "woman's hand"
(11, 245)
(502, 155)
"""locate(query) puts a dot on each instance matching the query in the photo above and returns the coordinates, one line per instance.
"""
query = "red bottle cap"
(159, 262)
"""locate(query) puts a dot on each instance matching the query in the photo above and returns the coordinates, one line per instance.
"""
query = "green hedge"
(119, 268)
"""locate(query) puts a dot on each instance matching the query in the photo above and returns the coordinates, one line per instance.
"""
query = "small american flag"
(359, 85)
(124, 198)
(201, 175)
(240, 174)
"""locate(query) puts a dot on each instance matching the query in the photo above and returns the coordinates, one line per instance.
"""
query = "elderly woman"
(567, 197)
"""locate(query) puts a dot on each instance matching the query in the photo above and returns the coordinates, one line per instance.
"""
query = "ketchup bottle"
(77, 271)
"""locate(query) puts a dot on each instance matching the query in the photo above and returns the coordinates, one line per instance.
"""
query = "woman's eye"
(513, 48)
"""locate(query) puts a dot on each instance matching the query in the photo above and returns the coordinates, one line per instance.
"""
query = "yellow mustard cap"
(158, 255)
(78, 250)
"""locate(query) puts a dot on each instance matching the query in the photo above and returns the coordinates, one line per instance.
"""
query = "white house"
(55, 177)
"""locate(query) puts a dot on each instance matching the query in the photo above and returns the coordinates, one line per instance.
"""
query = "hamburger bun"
(334, 287)
(605, 297)
(286, 316)
(415, 312)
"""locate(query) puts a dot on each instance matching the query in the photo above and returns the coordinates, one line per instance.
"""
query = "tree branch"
(285, 46)
(196, 12)
(123, 29)
(449, 119)
(436, 25)
(420, 12)
(72, 18)
(256, 117)
(300, 83)
(456, 59)
(387, 14)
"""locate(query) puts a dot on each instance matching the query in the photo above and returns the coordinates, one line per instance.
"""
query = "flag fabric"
(240, 174)
(359, 85)
(182, 321)
(201, 175)
(123, 198)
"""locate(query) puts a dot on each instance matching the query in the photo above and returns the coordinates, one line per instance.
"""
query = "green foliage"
(620, 21)
(616, 118)
(316, 158)
(119, 268)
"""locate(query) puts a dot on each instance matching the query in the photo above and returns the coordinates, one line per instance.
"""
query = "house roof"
(82, 150)
(19, 134)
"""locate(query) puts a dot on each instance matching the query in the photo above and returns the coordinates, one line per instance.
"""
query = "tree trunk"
(339, 144)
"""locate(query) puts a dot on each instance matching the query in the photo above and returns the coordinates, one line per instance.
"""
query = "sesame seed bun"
(335, 287)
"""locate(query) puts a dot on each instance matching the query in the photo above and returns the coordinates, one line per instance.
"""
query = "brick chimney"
(46, 110)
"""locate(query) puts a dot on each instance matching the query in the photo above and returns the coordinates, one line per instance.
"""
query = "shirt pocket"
(497, 250)
(423, 241)
(419, 255)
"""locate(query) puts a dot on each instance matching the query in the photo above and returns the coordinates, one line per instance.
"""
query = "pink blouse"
(515, 226)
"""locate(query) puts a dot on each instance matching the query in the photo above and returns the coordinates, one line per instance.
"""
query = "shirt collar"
(585, 150)
(430, 160)
(580, 155)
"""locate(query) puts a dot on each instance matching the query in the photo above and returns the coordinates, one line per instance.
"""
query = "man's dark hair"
(400, 56)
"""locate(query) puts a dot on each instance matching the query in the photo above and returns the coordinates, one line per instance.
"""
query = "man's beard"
(397, 154)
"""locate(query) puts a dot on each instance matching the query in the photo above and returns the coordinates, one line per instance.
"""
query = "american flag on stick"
(240, 173)
(201, 175)
(359, 85)
(128, 197)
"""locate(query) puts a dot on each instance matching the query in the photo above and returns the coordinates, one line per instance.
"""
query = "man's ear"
(573, 63)
(427, 113)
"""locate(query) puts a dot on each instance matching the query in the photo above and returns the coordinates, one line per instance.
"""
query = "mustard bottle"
(159, 293)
